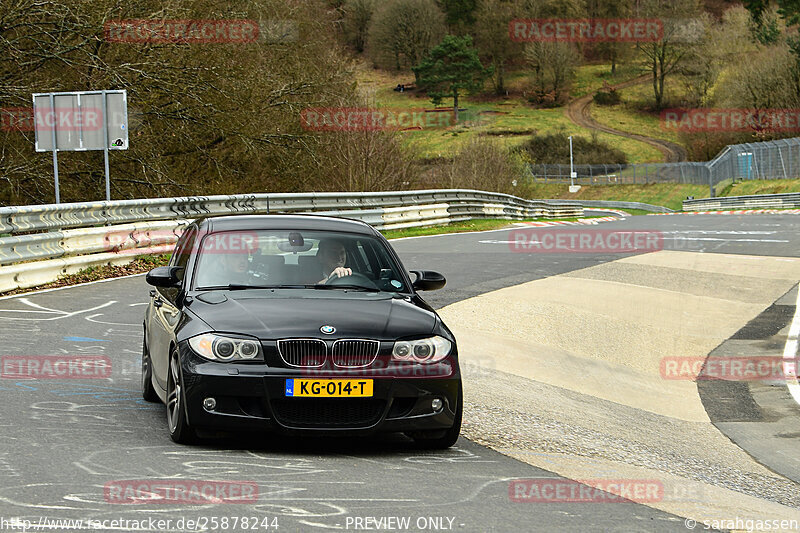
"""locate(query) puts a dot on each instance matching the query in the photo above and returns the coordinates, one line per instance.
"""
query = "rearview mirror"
(295, 244)
(166, 276)
(428, 280)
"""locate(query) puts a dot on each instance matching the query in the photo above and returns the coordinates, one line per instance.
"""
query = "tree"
(553, 65)
(205, 118)
(357, 15)
(459, 14)
(491, 37)
(610, 9)
(756, 8)
(789, 10)
(762, 81)
(664, 57)
(720, 45)
(402, 32)
(450, 67)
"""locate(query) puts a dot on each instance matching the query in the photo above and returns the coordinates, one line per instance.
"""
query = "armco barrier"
(40, 243)
(762, 201)
(605, 204)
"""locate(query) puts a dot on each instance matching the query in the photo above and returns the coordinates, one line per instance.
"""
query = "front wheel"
(179, 429)
(450, 436)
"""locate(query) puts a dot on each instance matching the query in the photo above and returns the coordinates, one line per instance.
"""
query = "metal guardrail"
(606, 204)
(42, 243)
(761, 201)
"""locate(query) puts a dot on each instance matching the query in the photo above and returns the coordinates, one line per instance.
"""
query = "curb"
(592, 222)
(736, 212)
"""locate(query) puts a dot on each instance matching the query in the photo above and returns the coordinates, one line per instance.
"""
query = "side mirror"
(427, 280)
(167, 277)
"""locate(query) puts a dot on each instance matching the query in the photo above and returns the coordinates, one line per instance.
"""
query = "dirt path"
(580, 112)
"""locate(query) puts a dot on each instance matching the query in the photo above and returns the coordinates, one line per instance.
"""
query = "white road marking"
(790, 353)
(720, 232)
(725, 240)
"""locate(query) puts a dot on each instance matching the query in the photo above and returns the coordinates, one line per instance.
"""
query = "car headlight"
(430, 350)
(221, 348)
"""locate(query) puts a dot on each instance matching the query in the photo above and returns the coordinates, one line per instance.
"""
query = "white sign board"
(78, 121)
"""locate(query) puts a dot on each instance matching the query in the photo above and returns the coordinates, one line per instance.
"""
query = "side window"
(364, 264)
(184, 249)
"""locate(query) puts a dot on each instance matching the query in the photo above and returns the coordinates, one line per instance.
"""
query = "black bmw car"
(297, 325)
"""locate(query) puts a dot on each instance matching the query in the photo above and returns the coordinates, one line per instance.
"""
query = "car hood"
(278, 315)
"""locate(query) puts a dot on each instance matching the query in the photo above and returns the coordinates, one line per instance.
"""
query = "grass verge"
(508, 119)
(667, 194)
(750, 187)
(481, 224)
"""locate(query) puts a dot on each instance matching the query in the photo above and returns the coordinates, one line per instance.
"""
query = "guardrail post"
(710, 183)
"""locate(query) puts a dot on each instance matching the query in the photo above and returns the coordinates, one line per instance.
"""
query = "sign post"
(81, 121)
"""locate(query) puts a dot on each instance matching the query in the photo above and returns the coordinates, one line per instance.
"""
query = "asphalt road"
(63, 441)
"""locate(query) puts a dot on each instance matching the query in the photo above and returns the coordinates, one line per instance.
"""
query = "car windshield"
(287, 259)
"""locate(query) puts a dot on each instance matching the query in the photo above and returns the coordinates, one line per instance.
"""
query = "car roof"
(294, 222)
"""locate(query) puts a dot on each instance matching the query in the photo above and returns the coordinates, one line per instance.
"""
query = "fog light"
(209, 404)
(436, 404)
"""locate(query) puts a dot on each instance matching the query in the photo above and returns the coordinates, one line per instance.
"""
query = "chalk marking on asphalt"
(47, 310)
(91, 318)
(790, 353)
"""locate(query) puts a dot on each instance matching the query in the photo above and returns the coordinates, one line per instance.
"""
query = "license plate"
(329, 388)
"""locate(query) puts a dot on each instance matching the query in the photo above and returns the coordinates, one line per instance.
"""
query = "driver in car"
(332, 256)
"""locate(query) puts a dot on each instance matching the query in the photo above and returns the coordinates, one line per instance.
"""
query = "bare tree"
(553, 65)
(402, 32)
(492, 18)
(206, 118)
(664, 57)
(357, 16)
(720, 44)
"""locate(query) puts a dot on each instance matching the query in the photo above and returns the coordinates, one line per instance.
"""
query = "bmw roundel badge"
(328, 330)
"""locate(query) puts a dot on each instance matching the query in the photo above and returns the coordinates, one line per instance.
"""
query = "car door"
(164, 315)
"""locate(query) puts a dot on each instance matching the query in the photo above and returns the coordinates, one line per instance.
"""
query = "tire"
(450, 436)
(177, 424)
(148, 392)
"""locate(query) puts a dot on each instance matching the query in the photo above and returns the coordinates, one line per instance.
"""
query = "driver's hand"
(340, 272)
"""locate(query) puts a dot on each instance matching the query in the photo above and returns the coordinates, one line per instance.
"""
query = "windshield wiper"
(233, 287)
(348, 287)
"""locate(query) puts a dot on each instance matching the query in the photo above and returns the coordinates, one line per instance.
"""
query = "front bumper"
(251, 396)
